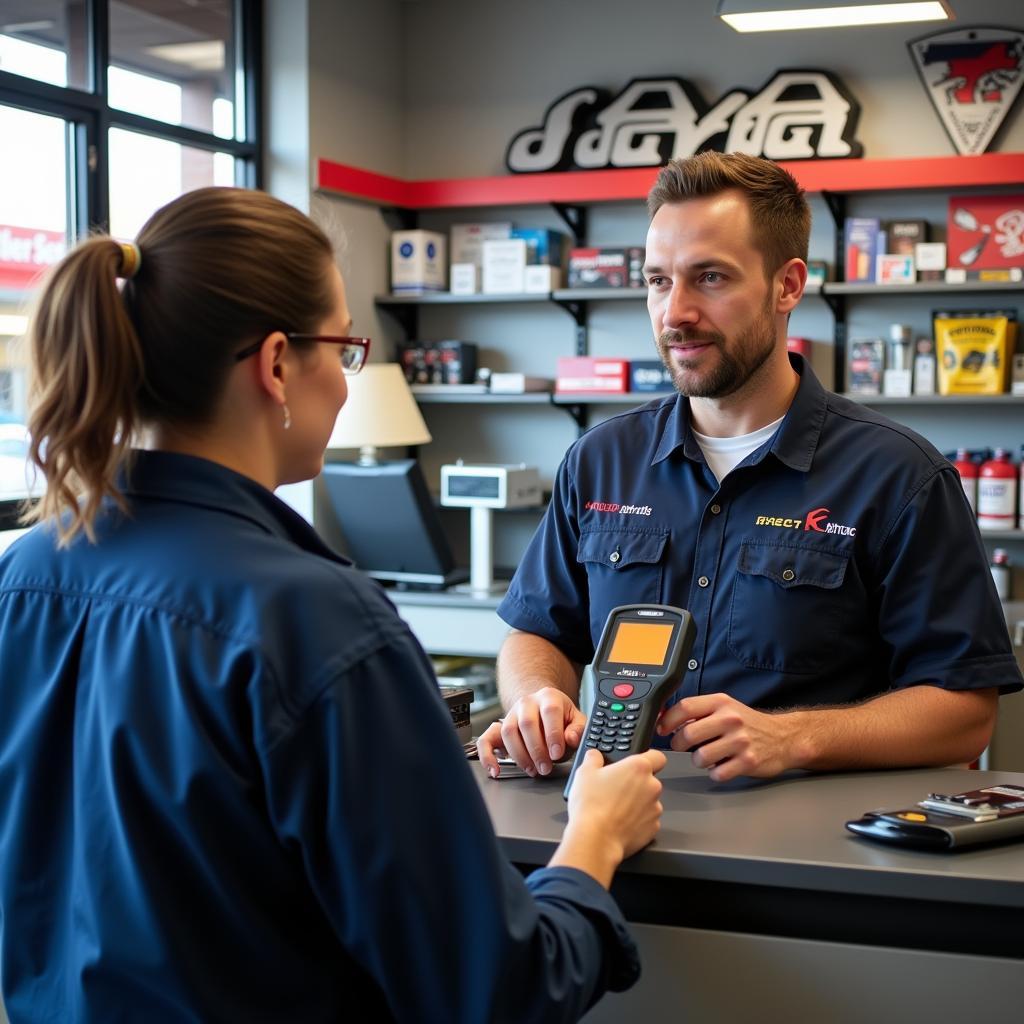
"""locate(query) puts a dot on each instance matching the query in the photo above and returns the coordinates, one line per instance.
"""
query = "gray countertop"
(783, 832)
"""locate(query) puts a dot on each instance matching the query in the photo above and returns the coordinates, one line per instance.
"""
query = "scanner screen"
(641, 643)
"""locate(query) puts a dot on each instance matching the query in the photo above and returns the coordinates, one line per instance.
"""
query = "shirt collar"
(795, 441)
(190, 480)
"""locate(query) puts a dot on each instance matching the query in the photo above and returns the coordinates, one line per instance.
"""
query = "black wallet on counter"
(942, 822)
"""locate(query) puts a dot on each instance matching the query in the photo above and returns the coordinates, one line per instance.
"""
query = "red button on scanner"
(623, 690)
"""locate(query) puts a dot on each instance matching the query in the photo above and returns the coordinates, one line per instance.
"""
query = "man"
(845, 614)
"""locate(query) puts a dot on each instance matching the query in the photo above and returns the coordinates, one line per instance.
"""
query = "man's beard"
(733, 369)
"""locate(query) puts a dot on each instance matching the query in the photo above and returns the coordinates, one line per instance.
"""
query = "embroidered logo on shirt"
(622, 510)
(817, 520)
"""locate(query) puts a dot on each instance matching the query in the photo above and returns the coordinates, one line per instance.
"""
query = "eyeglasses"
(353, 350)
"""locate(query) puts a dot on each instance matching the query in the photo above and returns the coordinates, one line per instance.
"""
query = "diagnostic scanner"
(640, 661)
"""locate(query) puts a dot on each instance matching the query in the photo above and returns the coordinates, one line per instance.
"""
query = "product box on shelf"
(590, 374)
(466, 241)
(504, 269)
(930, 261)
(975, 349)
(649, 375)
(892, 268)
(438, 362)
(867, 361)
(1004, 275)
(802, 346)
(863, 240)
(418, 261)
(986, 232)
(542, 246)
(817, 272)
(541, 278)
(902, 236)
(606, 267)
(514, 383)
(464, 278)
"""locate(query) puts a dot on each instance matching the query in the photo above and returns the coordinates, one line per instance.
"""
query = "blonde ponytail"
(87, 370)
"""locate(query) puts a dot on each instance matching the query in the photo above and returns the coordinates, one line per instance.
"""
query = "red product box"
(590, 374)
(985, 232)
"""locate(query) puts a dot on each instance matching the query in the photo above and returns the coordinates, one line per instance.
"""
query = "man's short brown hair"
(779, 212)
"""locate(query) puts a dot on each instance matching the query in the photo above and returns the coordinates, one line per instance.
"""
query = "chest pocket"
(788, 606)
(623, 567)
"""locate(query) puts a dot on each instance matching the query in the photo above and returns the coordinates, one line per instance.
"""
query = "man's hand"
(731, 739)
(537, 730)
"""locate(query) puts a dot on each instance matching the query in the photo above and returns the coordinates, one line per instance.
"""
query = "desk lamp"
(380, 413)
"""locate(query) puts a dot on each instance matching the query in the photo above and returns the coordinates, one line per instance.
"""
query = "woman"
(229, 789)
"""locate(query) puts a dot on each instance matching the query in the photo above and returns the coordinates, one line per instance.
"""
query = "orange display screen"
(641, 643)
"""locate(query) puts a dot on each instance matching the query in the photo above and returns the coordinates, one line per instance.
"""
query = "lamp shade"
(380, 411)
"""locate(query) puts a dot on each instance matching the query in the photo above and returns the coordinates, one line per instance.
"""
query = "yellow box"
(975, 351)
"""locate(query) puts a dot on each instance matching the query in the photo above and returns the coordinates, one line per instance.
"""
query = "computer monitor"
(391, 524)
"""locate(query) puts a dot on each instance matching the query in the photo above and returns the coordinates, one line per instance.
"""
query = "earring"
(287, 418)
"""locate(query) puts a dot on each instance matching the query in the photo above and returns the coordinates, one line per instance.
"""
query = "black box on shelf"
(618, 267)
(903, 235)
(438, 362)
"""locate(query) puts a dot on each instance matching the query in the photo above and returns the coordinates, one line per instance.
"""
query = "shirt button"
(788, 574)
(691, 664)
(715, 509)
(704, 581)
(614, 557)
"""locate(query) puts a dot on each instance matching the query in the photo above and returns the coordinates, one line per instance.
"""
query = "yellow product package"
(975, 351)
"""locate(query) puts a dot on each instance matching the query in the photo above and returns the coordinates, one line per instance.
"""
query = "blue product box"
(863, 241)
(649, 375)
(542, 246)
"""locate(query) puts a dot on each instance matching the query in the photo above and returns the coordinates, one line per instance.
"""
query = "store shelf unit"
(842, 185)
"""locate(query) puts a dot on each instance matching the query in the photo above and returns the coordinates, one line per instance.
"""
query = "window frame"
(89, 118)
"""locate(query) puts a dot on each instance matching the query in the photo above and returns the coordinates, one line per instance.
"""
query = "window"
(108, 110)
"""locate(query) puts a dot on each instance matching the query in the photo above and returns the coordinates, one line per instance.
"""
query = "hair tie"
(131, 260)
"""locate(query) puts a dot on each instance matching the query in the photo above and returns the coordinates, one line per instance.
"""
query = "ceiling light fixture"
(781, 15)
(203, 55)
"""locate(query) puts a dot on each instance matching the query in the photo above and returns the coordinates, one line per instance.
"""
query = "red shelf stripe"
(610, 185)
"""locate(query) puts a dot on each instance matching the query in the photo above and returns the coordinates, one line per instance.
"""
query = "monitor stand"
(481, 555)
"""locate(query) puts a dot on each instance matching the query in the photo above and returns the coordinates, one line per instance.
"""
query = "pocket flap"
(794, 566)
(621, 548)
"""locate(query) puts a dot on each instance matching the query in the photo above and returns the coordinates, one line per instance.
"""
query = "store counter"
(756, 903)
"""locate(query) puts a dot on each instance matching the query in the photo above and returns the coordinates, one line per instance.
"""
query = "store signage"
(25, 253)
(797, 115)
(973, 77)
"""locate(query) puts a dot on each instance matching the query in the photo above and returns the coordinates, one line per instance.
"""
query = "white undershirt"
(724, 454)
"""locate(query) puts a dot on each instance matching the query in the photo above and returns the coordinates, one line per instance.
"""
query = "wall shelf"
(477, 398)
(579, 187)
(934, 400)
(921, 288)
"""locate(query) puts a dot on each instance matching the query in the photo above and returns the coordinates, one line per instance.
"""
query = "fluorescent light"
(13, 325)
(27, 26)
(780, 16)
(205, 55)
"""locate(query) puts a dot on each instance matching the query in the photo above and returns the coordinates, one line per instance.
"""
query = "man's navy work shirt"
(838, 561)
(230, 790)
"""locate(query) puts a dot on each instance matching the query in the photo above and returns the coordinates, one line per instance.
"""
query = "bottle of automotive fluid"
(1001, 573)
(997, 493)
(968, 470)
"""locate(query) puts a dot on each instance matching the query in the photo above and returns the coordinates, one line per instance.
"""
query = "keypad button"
(632, 707)
(623, 690)
(591, 743)
(622, 746)
(606, 747)
(600, 714)
(618, 707)
(603, 703)
(632, 718)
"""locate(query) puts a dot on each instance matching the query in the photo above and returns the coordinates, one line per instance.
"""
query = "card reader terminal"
(640, 660)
